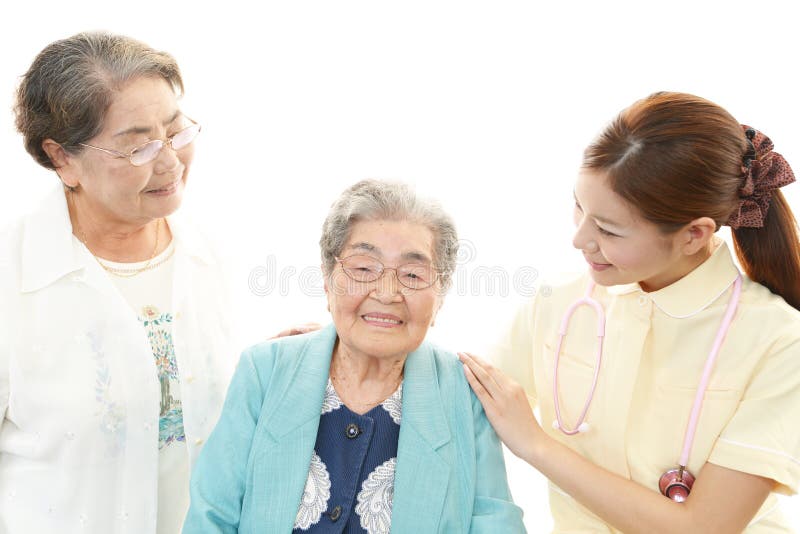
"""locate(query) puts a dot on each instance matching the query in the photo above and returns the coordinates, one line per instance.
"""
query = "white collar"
(49, 251)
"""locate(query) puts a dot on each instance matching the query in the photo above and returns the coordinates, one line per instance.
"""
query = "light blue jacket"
(450, 475)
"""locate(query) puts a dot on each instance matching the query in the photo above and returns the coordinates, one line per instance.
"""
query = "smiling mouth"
(597, 266)
(382, 320)
(170, 187)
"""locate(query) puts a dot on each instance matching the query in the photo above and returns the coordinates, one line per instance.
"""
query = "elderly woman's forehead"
(390, 239)
(374, 250)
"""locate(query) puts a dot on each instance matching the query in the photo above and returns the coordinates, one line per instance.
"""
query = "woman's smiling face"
(144, 109)
(383, 318)
(617, 243)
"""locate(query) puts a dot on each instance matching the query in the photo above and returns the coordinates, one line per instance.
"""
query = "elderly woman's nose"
(388, 288)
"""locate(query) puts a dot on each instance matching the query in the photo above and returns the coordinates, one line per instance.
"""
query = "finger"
(296, 330)
(496, 374)
(481, 392)
(480, 373)
(478, 360)
(469, 356)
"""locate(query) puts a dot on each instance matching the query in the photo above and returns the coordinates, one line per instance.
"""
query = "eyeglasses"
(365, 269)
(150, 150)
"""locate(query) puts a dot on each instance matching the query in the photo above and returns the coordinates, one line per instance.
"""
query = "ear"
(67, 166)
(436, 308)
(697, 234)
(325, 280)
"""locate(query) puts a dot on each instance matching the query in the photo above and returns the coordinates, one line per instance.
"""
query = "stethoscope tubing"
(697, 406)
(562, 333)
(694, 417)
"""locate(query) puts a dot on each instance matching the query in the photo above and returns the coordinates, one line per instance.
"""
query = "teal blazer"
(250, 476)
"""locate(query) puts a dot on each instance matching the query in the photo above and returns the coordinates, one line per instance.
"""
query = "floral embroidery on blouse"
(170, 422)
(367, 505)
(375, 499)
(394, 405)
(112, 414)
(331, 400)
(315, 495)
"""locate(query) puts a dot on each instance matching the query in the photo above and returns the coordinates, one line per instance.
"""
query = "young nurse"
(669, 396)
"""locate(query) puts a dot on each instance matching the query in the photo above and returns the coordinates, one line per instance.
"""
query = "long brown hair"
(678, 157)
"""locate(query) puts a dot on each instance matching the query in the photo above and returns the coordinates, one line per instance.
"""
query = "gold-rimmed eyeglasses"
(362, 268)
(147, 152)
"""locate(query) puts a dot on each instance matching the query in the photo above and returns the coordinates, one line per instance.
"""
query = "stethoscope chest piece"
(676, 484)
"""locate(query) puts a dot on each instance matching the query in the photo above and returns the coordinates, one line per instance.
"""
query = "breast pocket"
(575, 376)
(663, 425)
(676, 402)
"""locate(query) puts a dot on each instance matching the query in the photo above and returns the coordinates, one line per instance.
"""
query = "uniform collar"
(695, 291)
(49, 251)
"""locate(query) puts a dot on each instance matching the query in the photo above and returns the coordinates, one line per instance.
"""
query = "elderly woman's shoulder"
(285, 351)
(448, 366)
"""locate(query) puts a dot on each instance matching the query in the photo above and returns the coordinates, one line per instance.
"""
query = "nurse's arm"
(218, 481)
(722, 500)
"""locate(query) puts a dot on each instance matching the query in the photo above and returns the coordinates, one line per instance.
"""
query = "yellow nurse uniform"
(655, 347)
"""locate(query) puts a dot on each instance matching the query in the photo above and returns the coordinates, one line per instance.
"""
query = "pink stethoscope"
(675, 483)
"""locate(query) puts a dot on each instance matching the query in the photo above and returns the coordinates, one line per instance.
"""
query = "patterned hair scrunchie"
(763, 172)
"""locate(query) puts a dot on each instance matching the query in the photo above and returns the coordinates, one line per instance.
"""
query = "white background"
(486, 106)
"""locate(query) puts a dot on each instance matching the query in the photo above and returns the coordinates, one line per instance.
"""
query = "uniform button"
(198, 441)
(190, 379)
(352, 431)
(336, 513)
(643, 300)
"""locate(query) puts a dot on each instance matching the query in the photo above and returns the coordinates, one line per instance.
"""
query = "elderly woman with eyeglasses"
(114, 340)
(362, 426)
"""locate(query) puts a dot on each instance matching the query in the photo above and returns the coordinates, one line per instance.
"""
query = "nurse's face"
(618, 244)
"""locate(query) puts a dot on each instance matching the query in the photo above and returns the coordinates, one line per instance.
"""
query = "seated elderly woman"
(361, 426)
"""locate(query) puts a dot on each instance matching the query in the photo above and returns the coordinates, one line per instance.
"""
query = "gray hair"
(380, 200)
(68, 88)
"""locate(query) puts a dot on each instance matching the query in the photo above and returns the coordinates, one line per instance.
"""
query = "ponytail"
(677, 157)
(770, 255)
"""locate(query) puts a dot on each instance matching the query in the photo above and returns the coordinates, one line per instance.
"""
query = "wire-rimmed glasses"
(365, 269)
(147, 152)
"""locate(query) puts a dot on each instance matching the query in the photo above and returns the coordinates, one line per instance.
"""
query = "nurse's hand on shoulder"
(505, 403)
(304, 328)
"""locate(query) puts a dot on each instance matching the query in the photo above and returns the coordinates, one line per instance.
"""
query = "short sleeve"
(763, 436)
(513, 353)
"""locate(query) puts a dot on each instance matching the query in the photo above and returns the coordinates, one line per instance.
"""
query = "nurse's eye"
(605, 232)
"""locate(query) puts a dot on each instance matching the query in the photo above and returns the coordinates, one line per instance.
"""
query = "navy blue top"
(350, 483)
